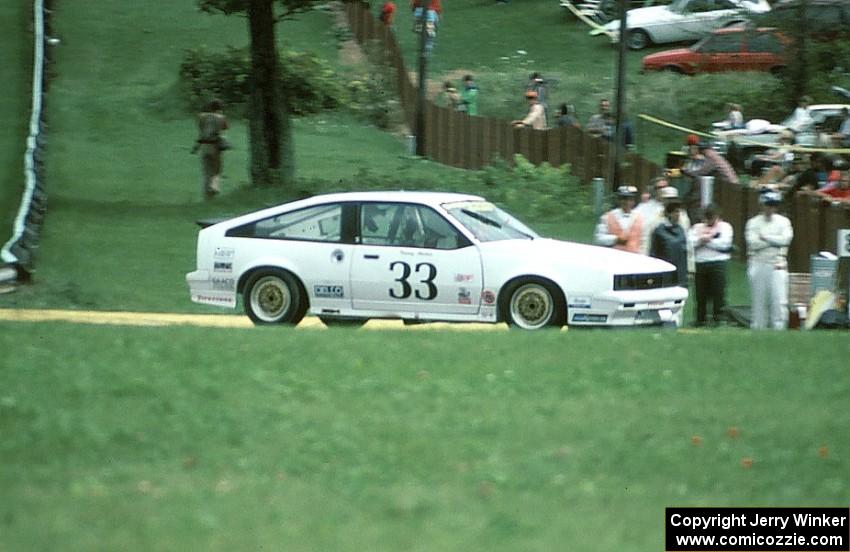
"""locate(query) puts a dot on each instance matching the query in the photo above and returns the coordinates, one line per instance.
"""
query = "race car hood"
(562, 253)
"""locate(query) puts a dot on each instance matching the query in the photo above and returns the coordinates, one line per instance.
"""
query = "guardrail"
(19, 250)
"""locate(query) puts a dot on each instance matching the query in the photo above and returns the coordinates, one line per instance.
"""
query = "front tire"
(638, 39)
(532, 304)
(274, 297)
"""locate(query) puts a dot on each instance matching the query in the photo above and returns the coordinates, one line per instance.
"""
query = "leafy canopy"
(283, 8)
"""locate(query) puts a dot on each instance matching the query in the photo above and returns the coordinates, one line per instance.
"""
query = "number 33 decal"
(406, 288)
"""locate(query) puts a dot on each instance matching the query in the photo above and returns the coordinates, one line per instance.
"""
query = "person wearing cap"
(711, 241)
(712, 164)
(536, 117)
(768, 235)
(653, 219)
(621, 228)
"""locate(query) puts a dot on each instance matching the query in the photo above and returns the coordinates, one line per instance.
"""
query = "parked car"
(683, 20)
(603, 11)
(421, 256)
(730, 49)
(825, 19)
(740, 145)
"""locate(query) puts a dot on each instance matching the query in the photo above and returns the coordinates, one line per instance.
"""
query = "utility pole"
(620, 100)
(419, 122)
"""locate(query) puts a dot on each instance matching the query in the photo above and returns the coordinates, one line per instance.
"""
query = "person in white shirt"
(621, 228)
(768, 235)
(801, 119)
(711, 240)
(536, 117)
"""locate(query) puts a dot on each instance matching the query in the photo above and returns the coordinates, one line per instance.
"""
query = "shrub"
(539, 193)
(306, 80)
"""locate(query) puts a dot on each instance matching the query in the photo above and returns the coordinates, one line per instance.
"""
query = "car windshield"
(487, 222)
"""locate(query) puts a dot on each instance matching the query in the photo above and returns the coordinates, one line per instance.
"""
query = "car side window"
(724, 5)
(700, 6)
(723, 44)
(764, 42)
(406, 225)
(320, 223)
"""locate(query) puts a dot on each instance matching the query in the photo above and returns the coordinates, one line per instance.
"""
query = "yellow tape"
(739, 140)
(593, 24)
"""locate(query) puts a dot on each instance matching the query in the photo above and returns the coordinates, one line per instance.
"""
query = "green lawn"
(201, 439)
(16, 76)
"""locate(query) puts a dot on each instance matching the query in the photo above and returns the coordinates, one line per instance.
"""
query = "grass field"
(15, 73)
(202, 439)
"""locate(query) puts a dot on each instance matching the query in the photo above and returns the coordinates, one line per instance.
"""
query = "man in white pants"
(768, 236)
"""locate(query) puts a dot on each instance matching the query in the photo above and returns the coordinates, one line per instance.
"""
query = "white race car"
(421, 256)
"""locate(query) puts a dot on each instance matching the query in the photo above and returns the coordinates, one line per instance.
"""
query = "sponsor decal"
(219, 266)
(464, 297)
(214, 299)
(580, 303)
(223, 284)
(224, 252)
(464, 277)
(585, 317)
(488, 297)
(329, 292)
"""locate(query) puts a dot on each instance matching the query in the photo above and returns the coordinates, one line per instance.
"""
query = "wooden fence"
(459, 140)
(456, 139)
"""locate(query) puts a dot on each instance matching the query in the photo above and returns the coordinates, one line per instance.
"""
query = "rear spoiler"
(203, 223)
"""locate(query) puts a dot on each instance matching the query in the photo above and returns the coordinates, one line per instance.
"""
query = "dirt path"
(112, 318)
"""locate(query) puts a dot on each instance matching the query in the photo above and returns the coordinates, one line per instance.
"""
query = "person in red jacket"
(387, 12)
(839, 192)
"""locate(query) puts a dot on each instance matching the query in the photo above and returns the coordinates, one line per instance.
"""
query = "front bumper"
(630, 308)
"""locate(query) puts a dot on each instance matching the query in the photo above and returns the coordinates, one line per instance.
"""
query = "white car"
(421, 256)
(683, 20)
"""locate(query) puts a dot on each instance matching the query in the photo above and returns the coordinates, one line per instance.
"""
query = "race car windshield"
(487, 222)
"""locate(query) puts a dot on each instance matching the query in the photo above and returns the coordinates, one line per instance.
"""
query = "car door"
(723, 52)
(409, 260)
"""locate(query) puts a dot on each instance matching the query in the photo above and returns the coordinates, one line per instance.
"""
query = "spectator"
(779, 157)
(621, 228)
(801, 118)
(452, 98)
(734, 118)
(840, 192)
(432, 16)
(469, 96)
(666, 195)
(651, 210)
(802, 176)
(567, 116)
(768, 235)
(210, 144)
(538, 85)
(842, 137)
(387, 12)
(711, 240)
(601, 125)
(712, 164)
(535, 118)
(670, 243)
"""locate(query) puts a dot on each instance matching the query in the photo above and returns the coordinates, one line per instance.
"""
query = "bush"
(306, 80)
(372, 93)
(538, 193)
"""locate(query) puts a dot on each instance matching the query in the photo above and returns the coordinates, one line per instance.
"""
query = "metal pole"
(620, 100)
(419, 123)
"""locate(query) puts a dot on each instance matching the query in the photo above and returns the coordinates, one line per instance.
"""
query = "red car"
(731, 49)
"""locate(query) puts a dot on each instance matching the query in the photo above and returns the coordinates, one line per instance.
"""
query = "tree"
(272, 155)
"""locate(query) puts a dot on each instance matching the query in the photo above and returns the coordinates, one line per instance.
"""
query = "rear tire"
(274, 296)
(533, 304)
